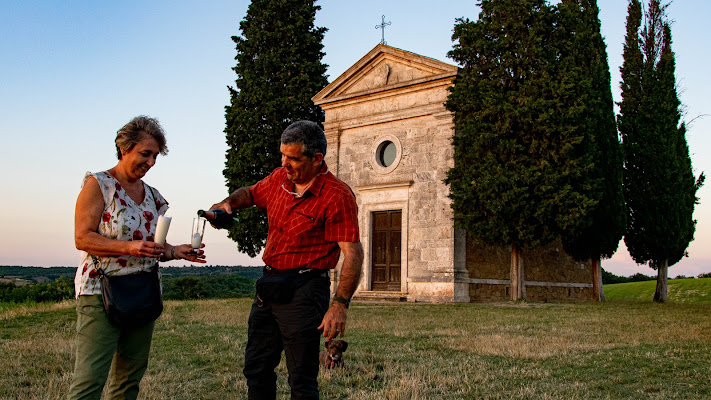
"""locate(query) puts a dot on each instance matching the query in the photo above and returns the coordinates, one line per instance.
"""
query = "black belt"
(271, 270)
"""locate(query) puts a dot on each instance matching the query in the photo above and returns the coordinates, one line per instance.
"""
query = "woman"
(115, 221)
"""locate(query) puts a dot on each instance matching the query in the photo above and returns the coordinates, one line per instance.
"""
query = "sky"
(73, 72)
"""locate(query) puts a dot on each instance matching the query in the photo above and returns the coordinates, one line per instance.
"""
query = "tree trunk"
(660, 295)
(598, 293)
(517, 289)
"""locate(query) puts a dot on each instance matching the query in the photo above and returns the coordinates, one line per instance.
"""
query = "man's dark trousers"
(291, 327)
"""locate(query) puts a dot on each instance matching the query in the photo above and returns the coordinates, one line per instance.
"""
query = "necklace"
(299, 195)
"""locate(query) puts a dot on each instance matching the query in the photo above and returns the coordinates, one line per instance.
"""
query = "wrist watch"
(342, 300)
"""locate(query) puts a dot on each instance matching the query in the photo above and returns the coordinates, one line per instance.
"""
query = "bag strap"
(153, 194)
(96, 261)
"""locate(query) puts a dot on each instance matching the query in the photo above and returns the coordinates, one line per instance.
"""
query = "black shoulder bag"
(131, 300)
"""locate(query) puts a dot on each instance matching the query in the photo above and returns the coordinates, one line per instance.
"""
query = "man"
(313, 217)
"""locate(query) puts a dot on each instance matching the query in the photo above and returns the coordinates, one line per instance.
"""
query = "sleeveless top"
(122, 219)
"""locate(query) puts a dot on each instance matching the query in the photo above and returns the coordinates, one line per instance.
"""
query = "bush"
(60, 289)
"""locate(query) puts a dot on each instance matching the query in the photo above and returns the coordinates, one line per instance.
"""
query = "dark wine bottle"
(218, 218)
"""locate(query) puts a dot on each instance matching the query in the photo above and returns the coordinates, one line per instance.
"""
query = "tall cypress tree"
(659, 184)
(518, 164)
(586, 61)
(278, 70)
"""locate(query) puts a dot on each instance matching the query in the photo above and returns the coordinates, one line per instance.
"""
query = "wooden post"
(598, 293)
(516, 280)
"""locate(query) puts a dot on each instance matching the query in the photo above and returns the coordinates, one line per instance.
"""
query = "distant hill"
(246, 272)
(688, 290)
(50, 274)
(36, 274)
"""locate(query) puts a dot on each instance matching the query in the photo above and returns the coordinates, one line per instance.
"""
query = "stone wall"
(549, 274)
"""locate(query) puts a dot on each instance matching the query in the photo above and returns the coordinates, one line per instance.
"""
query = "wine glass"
(197, 232)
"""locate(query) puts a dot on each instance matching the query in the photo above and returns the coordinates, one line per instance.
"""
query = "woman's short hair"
(307, 133)
(132, 133)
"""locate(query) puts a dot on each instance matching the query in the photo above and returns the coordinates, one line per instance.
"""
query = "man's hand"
(223, 205)
(334, 322)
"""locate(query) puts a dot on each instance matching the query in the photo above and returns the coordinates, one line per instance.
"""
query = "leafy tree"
(278, 70)
(6, 289)
(186, 288)
(585, 61)
(519, 160)
(660, 188)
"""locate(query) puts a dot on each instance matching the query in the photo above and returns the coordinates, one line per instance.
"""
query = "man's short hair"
(307, 133)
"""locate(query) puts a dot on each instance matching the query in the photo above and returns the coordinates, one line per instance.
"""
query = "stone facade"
(389, 138)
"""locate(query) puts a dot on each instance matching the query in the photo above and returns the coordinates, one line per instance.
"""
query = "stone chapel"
(389, 138)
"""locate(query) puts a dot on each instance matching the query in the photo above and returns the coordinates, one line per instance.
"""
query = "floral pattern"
(122, 219)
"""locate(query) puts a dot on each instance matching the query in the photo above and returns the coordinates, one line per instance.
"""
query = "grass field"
(679, 291)
(614, 350)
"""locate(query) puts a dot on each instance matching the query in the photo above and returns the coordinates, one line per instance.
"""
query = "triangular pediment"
(384, 68)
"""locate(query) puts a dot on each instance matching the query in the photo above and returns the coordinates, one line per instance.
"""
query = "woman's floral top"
(122, 219)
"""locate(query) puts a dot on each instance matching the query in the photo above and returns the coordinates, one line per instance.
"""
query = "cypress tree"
(586, 60)
(278, 70)
(518, 163)
(659, 184)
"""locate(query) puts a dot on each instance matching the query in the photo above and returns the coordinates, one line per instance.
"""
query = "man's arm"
(240, 198)
(334, 322)
(351, 270)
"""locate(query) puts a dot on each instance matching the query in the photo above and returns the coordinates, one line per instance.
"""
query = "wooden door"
(386, 251)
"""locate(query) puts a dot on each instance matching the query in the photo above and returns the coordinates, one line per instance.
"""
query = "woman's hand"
(140, 248)
(186, 252)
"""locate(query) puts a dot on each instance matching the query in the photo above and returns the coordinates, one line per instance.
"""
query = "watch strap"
(342, 300)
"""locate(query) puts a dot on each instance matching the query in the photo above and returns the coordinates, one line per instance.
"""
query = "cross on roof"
(382, 26)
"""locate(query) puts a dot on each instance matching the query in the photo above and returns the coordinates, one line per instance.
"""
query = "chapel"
(390, 139)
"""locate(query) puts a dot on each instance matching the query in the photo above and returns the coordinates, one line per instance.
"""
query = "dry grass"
(16, 310)
(617, 350)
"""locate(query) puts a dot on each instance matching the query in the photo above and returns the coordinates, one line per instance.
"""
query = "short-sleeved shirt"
(122, 219)
(304, 232)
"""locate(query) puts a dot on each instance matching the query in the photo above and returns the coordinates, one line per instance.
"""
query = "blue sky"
(73, 72)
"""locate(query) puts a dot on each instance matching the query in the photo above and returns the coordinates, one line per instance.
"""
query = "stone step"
(380, 296)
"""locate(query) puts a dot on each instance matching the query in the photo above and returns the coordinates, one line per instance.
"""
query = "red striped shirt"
(303, 232)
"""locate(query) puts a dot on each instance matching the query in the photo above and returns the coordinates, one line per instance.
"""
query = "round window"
(387, 151)
(386, 154)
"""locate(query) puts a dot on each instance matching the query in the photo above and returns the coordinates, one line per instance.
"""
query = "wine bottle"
(218, 218)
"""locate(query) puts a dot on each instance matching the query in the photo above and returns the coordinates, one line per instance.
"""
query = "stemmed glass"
(198, 233)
